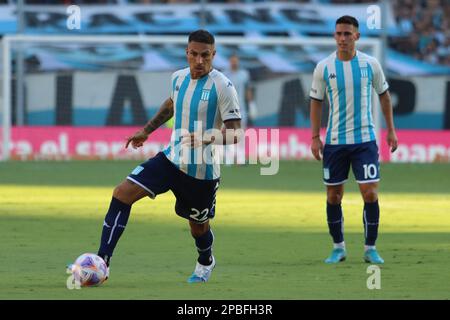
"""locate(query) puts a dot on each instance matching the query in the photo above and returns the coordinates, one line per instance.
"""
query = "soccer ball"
(89, 270)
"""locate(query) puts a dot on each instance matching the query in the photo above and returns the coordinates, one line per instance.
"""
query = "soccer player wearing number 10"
(347, 77)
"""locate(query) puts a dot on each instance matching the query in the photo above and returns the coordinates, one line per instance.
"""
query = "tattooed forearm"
(164, 114)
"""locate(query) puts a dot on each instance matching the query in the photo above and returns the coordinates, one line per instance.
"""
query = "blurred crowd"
(426, 25)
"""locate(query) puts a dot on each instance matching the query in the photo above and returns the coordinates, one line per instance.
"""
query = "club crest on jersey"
(205, 95)
(364, 72)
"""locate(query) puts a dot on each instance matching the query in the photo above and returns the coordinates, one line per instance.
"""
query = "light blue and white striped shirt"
(200, 105)
(348, 85)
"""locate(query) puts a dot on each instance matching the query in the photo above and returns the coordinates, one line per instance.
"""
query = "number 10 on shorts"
(370, 171)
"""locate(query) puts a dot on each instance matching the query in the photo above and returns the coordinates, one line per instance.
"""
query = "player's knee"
(335, 194)
(370, 195)
(121, 193)
(197, 230)
(334, 197)
(118, 192)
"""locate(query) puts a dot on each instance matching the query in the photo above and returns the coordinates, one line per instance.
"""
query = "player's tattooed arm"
(163, 114)
(161, 117)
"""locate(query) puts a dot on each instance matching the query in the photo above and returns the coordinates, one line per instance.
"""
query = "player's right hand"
(317, 148)
(137, 140)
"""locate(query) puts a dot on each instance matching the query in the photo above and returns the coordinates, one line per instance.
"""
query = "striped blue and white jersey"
(348, 85)
(200, 105)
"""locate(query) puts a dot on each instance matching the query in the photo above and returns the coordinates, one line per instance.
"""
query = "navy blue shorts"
(363, 157)
(196, 198)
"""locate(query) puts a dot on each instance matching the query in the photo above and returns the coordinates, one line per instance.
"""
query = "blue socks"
(115, 222)
(204, 247)
(371, 217)
(335, 222)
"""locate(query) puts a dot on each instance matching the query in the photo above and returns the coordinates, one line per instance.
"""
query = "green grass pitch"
(271, 235)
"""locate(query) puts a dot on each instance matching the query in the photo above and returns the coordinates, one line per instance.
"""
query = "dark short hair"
(202, 36)
(348, 20)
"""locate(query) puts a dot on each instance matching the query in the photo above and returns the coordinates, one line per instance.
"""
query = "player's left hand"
(392, 140)
(317, 148)
(191, 139)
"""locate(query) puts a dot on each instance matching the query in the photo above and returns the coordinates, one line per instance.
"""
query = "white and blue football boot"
(372, 256)
(336, 256)
(202, 273)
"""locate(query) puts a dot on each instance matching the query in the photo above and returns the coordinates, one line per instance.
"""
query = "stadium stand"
(423, 26)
